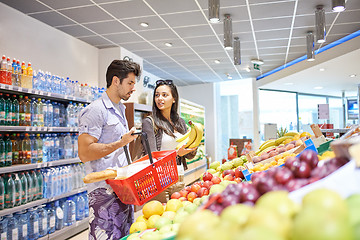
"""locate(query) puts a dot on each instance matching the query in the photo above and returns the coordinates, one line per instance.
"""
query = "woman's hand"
(183, 151)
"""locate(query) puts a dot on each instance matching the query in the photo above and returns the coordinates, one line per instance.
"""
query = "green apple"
(190, 208)
(197, 201)
(217, 188)
(226, 166)
(236, 162)
(185, 203)
(180, 216)
(225, 183)
(151, 236)
(217, 174)
(215, 165)
(237, 214)
(166, 228)
(161, 222)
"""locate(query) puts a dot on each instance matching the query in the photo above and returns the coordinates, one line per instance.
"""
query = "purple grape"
(310, 157)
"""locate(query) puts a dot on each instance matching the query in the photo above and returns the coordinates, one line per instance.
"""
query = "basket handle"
(147, 146)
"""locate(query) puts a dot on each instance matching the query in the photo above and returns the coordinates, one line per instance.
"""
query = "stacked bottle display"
(36, 148)
(44, 219)
(23, 187)
(22, 76)
(23, 111)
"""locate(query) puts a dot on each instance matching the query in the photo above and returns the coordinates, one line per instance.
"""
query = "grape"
(265, 185)
(310, 157)
(291, 163)
(303, 170)
(283, 176)
(295, 184)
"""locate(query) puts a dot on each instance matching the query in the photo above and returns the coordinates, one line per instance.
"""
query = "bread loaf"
(100, 176)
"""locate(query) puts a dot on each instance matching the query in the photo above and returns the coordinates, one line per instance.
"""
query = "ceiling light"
(144, 24)
(257, 61)
(237, 55)
(228, 76)
(352, 75)
(318, 87)
(216, 61)
(168, 44)
(228, 39)
(214, 11)
(248, 69)
(338, 5)
(310, 46)
(320, 24)
(322, 69)
(289, 83)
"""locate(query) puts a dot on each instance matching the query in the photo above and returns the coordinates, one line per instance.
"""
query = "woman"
(164, 126)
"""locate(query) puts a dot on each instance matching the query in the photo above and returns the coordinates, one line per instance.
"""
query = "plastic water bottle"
(68, 146)
(8, 112)
(36, 187)
(62, 115)
(9, 191)
(39, 144)
(69, 212)
(24, 188)
(14, 74)
(85, 196)
(12, 228)
(2, 152)
(70, 177)
(40, 113)
(40, 180)
(50, 113)
(74, 177)
(59, 216)
(52, 147)
(43, 221)
(61, 146)
(15, 112)
(47, 193)
(33, 111)
(80, 207)
(33, 224)
(30, 187)
(75, 145)
(3, 227)
(56, 114)
(2, 110)
(27, 111)
(33, 145)
(62, 88)
(22, 218)
(56, 147)
(2, 194)
(55, 182)
(51, 217)
(8, 150)
(62, 180)
(18, 189)
(26, 149)
(70, 114)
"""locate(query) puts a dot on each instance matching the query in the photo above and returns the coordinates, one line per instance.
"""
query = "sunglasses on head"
(167, 82)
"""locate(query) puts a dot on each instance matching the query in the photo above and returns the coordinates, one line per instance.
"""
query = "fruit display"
(193, 137)
(323, 214)
(229, 170)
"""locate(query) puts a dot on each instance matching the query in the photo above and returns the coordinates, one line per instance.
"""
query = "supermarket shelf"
(340, 130)
(73, 192)
(22, 207)
(69, 231)
(38, 93)
(37, 129)
(63, 162)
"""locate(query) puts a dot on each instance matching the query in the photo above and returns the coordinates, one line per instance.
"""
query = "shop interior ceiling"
(271, 30)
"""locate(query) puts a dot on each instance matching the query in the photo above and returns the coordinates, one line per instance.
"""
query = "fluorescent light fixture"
(168, 44)
(237, 54)
(228, 39)
(289, 83)
(322, 69)
(248, 69)
(214, 11)
(318, 88)
(257, 61)
(144, 24)
(338, 5)
(310, 46)
(352, 75)
(320, 24)
(216, 61)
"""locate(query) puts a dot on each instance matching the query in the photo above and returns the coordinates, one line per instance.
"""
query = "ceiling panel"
(26, 6)
(56, 4)
(284, 33)
(176, 42)
(349, 17)
(227, 3)
(201, 40)
(124, 37)
(194, 31)
(128, 9)
(177, 51)
(52, 18)
(157, 34)
(278, 9)
(94, 40)
(185, 19)
(207, 48)
(186, 57)
(171, 6)
(86, 14)
(76, 30)
(273, 43)
(265, 24)
(139, 46)
(272, 50)
(107, 27)
(237, 27)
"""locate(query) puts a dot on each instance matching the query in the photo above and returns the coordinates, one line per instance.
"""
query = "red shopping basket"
(149, 182)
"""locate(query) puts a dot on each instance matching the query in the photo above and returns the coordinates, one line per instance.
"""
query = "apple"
(227, 172)
(183, 193)
(283, 175)
(202, 191)
(238, 180)
(183, 199)
(310, 157)
(292, 163)
(239, 173)
(208, 184)
(175, 195)
(191, 196)
(207, 176)
(216, 180)
(229, 177)
(195, 187)
(303, 170)
(188, 188)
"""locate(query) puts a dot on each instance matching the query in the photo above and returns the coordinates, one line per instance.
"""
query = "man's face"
(127, 87)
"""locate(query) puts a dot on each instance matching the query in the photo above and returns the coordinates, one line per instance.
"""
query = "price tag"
(50, 129)
(11, 87)
(27, 129)
(29, 91)
(49, 94)
(37, 91)
(20, 89)
(41, 93)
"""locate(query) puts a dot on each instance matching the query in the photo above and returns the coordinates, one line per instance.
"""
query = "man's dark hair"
(121, 69)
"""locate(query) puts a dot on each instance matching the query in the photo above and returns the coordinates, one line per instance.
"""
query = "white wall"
(205, 95)
(106, 56)
(27, 39)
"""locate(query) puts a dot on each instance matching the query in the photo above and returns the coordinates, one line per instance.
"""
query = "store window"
(308, 111)
(336, 112)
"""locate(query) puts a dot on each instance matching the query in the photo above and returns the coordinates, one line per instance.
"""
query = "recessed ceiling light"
(318, 87)
(228, 48)
(217, 61)
(289, 83)
(352, 75)
(144, 24)
(257, 61)
(248, 69)
(228, 76)
(322, 69)
(168, 44)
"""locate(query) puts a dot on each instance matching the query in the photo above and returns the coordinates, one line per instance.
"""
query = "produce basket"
(150, 181)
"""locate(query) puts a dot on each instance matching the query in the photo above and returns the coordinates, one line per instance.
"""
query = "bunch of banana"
(193, 137)
(282, 139)
(266, 144)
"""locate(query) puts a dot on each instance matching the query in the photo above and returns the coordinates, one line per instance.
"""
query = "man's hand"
(127, 137)
(183, 151)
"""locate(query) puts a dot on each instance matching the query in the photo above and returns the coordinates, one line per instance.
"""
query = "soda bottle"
(30, 187)
(9, 72)
(40, 113)
(14, 73)
(23, 75)
(12, 227)
(9, 191)
(15, 112)
(22, 218)
(18, 72)
(39, 148)
(18, 189)
(27, 111)
(33, 111)
(40, 180)
(2, 152)
(33, 225)
(34, 149)
(26, 149)
(24, 188)
(8, 108)
(2, 193)
(2, 110)
(3, 70)
(21, 111)
(8, 150)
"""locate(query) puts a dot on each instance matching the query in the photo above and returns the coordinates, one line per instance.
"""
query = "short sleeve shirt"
(107, 124)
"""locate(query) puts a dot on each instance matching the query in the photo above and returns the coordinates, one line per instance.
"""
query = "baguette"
(100, 176)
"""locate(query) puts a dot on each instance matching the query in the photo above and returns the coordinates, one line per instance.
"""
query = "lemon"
(152, 220)
(141, 219)
(173, 205)
(137, 226)
(152, 208)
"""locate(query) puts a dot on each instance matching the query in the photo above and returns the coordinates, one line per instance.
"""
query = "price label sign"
(323, 111)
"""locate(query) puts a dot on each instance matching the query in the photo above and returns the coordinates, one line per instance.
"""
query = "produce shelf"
(37, 129)
(69, 231)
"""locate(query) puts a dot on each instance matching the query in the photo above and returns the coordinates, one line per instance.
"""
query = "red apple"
(229, 177)
(216, 180)
(239, 173)
(175, 195)
(223, 160)
(195, 187)
(183, 193)
(303, 170)
(191, 196)
(283, 176)
(310, 157)
(183, 199)
(238, 180)
(227, 172)
(208, 184)
(188, 188)
(207, 176)
(202, 191)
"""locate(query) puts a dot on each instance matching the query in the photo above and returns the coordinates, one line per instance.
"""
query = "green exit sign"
(257, 67)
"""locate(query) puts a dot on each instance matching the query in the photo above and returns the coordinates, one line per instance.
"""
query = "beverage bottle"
(35, 81)
(15, 149)
(51, 217)
(62, 117)
(86, 204)
(2, 193)
(9, 72)
(26, 149)
(8, 108)
(33, 111)
(45, 112)
(69, 212)
(51, 147)
(9, 191)
(33, 226)
(68, 86)
(27, 109)
(61, 180)
(30, 187)
(18, 158)
(80, 207)
(48, 82)
(40, 112)
(61, 146)
(47, 193)
(69, 114)
(18, 189)
(3, 227)
(56, 147)
(21, 111)
(39, 143)
(36, 187)
(14, 73)
(57, 114)
(50, 113)
(41, 80)
(12, 228)
(2, 152)
(65, 185)
(40, 180)
(8, 150)
(23, 75)
(62, 89)
(18, 72)
(74, 177)
(24, 188)
(68, 146)
(34, 149)
(15, 112)
(22, 218)
(3, 70)
(70, 177)
(29, 78)
(46, 149)
(55, 181)
(75, 145)
(43, 221)
(2, 110)
(59, 216)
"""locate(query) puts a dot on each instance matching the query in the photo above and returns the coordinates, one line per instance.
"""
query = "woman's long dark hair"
(160, 121)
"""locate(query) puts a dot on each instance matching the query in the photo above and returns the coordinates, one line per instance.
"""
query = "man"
(103, 131)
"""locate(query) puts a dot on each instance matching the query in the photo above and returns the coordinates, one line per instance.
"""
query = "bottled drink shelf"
(68, 194)
(34, 92)
(37, 129)
(69, 231)
(24, 167)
